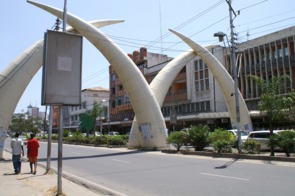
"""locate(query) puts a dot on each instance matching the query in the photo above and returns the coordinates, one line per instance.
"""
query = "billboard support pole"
(60, 138)
(60, 142)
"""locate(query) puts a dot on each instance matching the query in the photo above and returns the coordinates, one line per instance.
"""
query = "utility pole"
(60, 138)
(56, 28)
(231, 11)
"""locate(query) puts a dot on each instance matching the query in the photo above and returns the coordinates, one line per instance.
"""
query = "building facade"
(121, 111)
(267, 56)
(71, 114)
(195, 97)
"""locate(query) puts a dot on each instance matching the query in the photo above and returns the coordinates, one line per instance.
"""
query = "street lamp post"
(102, 110)
(221, 35)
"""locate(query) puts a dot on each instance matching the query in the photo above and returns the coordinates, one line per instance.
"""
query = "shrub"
(286, 141)
(66, 133)
(177, 139)
(78, 133)
(54, 137)
(100, 140)
(116, 140)
(222, 146)
(251, 146)
(221, 140)
(78, 139)
(198, 136)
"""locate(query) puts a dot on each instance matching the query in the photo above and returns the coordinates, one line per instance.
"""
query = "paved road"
(153, 173)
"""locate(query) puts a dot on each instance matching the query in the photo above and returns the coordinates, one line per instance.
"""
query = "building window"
(286, 50)
(113, 77)
(202, 106)
(207, 105)
(201, 76)
(197, 86)
(113, 90)
(207, 84)
(280, 52)
(121, 87)
(196, 66)
(198, 107)
(274, 54)
(188, 108)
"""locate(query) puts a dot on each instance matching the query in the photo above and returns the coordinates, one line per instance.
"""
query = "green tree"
(86, 123)
(273, 103)
(97, 111)
(33, 124)
(18, 123)
(285, 140)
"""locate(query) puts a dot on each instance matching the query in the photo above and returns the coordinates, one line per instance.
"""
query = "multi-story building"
(121, 111)
(88, 97)
(195, 96)
(33, 111)
(267, 56)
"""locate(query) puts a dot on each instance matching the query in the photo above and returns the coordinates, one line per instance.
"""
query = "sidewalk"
(40, 184)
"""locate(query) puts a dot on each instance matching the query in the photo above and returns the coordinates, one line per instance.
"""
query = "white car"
(234, 132)
(262, 137)
(113, 133)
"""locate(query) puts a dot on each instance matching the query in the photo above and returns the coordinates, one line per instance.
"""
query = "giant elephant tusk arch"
(224, 80)
(20, 72)
(145, 105)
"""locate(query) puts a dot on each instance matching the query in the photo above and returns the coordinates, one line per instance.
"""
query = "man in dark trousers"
(33, 146)
(16, 145)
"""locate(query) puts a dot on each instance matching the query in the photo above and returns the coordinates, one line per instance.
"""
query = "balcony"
(118, 82)
(180, 96)
(120, 93)
(124, 107)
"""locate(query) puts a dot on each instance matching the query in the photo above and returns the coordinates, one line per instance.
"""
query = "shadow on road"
(229, 163)
(94, 156)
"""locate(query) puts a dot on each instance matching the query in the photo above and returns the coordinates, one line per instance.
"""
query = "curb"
(232, 155)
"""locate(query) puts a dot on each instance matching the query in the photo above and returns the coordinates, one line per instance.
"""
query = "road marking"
(230, 177)
(76, 153)
(120, 161)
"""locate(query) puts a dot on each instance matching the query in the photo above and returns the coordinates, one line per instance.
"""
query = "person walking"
(16, 145)
(33, 146)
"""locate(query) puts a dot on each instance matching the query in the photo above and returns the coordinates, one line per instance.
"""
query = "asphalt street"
(133, 172)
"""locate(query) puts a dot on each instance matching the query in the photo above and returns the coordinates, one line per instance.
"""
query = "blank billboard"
(62, 69)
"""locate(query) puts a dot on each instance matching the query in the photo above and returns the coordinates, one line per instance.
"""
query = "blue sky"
(146, 25)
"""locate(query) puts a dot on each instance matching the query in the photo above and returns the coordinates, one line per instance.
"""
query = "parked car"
(234, 132)
(113, 133)
(262, 137)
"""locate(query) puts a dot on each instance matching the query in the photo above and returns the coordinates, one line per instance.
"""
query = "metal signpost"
(61, 82)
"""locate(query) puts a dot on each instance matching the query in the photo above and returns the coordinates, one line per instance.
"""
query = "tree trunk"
(272, 150)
